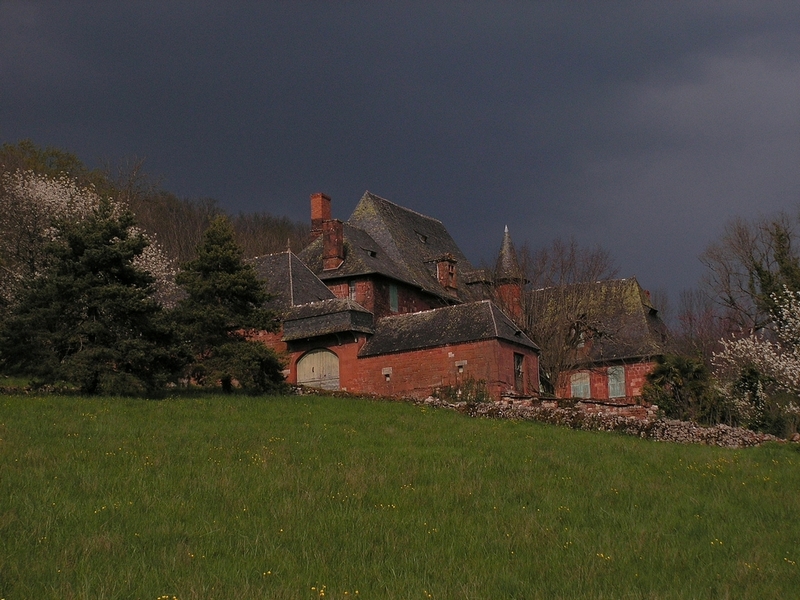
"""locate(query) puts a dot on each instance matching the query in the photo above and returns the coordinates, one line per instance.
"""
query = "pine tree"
(89, 319)
(224, 299)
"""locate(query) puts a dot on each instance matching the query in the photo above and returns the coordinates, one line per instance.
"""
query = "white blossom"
(30, 203)
(775, 354)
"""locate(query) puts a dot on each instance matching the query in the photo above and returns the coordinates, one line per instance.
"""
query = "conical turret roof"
(507, 268)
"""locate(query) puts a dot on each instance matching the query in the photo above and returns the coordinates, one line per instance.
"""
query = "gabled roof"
(620, 310)
(637, 331)
(362, 256)
(442, 326)
(337, 315)
(384, 238)
(288, 281)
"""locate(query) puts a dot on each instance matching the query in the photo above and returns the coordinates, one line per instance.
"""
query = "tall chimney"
(446, 272)
(332, 244)
(320, 212)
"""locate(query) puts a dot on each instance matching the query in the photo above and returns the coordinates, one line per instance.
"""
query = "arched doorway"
(319, 369)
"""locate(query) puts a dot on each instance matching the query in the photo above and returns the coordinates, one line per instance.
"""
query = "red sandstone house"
(386, 303)
(612, 367)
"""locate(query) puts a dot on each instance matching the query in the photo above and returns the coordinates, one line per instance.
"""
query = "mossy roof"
(630, 326)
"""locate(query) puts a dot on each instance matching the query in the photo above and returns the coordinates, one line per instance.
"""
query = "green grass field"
(306, 497)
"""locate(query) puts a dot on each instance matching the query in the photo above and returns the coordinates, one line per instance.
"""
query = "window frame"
(394, 300)
(616, 381)
(583, 387)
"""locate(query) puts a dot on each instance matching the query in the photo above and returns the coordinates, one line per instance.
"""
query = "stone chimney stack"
(332, 244)
(446, 272)
(320, 212)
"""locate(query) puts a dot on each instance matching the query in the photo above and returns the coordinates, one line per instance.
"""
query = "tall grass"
(305, 497)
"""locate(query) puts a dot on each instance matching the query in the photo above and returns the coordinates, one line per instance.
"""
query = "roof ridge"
(494, 322)
(291, 283)
(405, 208)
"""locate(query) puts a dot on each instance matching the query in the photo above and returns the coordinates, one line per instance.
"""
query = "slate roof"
(507, 268)
(384, 238)
(288, 281)
(362, 256)
(326, 317)
(441, 326)
(630, 326)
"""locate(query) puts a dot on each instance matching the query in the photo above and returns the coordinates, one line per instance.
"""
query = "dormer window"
(422, 237)
(370, 253)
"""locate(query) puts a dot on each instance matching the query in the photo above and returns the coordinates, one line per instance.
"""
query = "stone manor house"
(386, 303)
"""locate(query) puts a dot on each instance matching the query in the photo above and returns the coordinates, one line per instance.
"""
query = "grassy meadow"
(308, 497)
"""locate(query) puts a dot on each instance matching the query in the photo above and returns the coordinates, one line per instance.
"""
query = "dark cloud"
(642, 127)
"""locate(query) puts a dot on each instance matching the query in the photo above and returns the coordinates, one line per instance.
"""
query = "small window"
(352, 290)
(393, 303)
(616, 382)
(519, 378)
(422, 237)
(579, 384)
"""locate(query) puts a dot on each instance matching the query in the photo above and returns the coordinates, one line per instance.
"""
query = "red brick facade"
(635, 378)
(374, 294)
(419, 373)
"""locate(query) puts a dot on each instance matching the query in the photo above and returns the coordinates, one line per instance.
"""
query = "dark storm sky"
(640, 126)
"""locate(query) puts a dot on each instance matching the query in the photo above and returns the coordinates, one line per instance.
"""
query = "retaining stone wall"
(648, 426)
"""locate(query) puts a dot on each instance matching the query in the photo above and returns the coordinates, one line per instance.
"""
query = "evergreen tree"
(224, 299)
(89, 319)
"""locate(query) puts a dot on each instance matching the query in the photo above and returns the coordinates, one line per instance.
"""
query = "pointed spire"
(507, 268)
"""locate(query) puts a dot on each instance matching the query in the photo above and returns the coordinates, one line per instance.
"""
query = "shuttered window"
(579, 383)
(616, 382)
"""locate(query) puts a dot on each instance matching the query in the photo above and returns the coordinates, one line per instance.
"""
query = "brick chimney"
(446, 272)
(332, 243)
(320, 212)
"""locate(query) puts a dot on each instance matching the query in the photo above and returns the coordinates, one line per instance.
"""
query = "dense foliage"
(683, 388)
(89, 297)
(89, 319)
(224, 299)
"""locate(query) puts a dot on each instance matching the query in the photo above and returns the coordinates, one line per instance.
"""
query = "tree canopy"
(89, 319)
(224, 299)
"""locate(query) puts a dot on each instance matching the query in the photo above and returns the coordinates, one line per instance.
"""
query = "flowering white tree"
(30, 204)
(778, 358)
(773, 353)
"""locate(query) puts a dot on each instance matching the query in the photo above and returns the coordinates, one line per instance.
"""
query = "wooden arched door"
(319, 369)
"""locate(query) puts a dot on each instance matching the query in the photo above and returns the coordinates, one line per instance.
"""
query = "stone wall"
(646, 424)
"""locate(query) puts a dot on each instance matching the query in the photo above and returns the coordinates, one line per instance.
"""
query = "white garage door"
(320, 369)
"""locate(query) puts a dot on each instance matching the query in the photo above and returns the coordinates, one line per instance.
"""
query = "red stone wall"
(373, 294)
(345, 346)
(272, 340)
(419, 373)
(635, 378)
(332, 244)
(509, 299)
